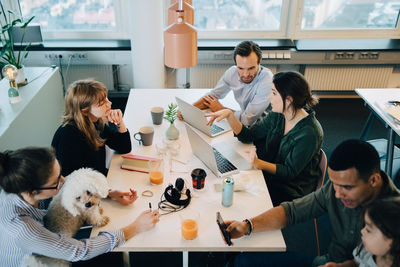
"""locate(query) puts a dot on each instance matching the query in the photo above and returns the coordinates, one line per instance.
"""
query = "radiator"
(346, 78)
(102, 73)
(207, 75)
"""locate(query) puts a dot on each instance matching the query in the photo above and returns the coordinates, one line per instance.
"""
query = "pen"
(394, 102)
(150, 205)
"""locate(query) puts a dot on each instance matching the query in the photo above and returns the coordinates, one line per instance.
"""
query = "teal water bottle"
(227, 191)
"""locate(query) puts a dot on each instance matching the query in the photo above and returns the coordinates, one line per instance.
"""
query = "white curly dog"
(78, 202)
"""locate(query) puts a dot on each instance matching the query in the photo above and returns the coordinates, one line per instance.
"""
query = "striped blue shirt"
(23, 234)
(251, 97)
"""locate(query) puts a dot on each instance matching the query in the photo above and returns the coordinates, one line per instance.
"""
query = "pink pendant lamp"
(189, 12)
(180, 43)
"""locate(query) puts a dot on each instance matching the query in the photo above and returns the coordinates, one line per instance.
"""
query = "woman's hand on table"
(144, 222)
(147, 220)
(125, 198)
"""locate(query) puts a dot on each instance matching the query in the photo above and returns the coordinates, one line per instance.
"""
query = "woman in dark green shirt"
(287, 140)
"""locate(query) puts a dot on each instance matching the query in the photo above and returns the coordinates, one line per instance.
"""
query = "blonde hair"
(80, 97)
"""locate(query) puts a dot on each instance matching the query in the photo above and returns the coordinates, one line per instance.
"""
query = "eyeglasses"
(52, 187)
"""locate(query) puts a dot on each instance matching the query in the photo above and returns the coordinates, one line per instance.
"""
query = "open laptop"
(221, 159)
(195, 117)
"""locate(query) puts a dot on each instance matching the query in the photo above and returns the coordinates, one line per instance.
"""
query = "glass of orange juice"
(156, 172)
(189, 224)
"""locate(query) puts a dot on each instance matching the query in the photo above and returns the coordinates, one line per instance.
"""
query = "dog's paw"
(104, 220)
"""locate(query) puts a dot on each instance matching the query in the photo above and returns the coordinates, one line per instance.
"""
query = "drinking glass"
(156, 172)
(189, 223)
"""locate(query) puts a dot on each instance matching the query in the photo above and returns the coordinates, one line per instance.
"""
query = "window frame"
(290, 28)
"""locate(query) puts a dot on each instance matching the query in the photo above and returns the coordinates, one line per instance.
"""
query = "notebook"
(221, 159)
(195, 117)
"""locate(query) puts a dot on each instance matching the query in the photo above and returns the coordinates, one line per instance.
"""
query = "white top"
(166, 236)
(364, 258)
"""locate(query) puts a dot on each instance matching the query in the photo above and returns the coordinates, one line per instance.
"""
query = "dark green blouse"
(297, 158)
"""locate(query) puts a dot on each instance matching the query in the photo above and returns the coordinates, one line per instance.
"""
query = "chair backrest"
(323, 162)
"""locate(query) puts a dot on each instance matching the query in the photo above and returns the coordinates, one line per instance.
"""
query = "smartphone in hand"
(222, 227)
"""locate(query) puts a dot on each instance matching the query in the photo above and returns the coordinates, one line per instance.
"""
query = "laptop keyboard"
(223, 164)
(215, 129)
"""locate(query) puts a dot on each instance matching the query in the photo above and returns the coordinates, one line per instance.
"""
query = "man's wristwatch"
(250, 226)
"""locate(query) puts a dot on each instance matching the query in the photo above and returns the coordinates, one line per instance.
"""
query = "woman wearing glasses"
(28, 176)
(88, 125)
(288, 139)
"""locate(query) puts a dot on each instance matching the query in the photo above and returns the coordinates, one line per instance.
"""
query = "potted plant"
(171, 115)
(8, 54)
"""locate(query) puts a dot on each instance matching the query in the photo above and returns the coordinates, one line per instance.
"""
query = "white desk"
(377, 100)
(166, 235)
(33, 121)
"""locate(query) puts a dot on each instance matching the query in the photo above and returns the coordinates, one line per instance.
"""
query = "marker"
(150, 205)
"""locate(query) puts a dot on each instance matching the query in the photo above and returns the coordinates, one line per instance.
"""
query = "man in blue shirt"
(250, 82)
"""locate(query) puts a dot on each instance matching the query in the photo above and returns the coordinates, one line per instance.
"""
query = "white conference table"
(166, 236)
(377, 101)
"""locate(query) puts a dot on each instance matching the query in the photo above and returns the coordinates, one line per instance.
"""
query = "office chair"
(322, 165)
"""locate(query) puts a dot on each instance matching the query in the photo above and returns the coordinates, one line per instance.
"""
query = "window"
(337, 19)
(70, 14)
(354, 14)
(238, 15)
(213, 17)
(68, 18)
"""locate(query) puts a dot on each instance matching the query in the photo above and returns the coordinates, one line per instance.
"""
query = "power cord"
(37, 77)
(168, 207)
(62, 75)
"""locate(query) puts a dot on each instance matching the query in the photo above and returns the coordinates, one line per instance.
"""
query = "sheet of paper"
(394, 112)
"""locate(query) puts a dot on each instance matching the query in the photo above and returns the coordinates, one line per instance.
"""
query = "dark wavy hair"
(385, 214)
(26, 169)
(292, 83)
(245, 48)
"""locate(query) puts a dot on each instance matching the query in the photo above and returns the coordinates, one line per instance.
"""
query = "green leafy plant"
(172, 113)
(7, 54)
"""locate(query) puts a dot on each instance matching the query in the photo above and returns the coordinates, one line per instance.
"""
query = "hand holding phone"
(222, 227)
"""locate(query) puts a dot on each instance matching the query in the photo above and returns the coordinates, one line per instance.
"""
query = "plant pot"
(20, 79)
(172, 133)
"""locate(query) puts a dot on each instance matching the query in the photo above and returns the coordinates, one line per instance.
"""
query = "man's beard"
(248, 81)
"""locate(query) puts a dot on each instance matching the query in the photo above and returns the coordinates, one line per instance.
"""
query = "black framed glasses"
(52, 187)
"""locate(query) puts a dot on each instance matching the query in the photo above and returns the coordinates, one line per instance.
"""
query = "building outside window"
(52, 15)
(354, 14)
